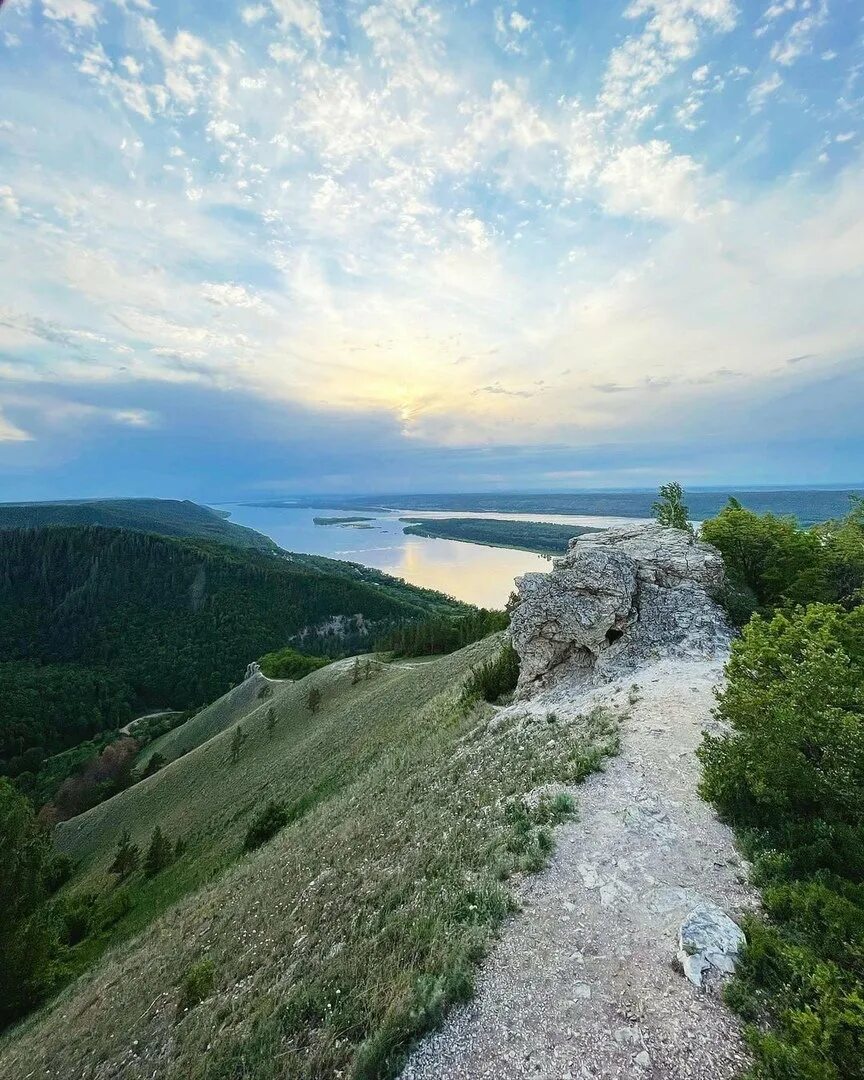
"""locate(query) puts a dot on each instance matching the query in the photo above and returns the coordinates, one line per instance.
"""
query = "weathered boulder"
(708, 944)
(617, 599)
(251, 670)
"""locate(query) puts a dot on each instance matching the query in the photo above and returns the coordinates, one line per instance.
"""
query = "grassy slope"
(544, 538)
(335, 944)
(169, 517)
(244, 699)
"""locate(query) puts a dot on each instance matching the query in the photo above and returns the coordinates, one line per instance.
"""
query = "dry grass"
(336, 944)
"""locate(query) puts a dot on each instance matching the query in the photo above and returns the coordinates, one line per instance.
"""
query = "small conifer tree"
(313, 700)
(271, 721)
(126, 857)
(237, 743)
(159, 853)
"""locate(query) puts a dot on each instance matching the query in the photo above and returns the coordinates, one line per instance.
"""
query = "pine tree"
(158, 854)
(367, 669)
(669, 508)
(271, 722)
(313, 700)
(126, 857)
(237, 743)
(355, 672)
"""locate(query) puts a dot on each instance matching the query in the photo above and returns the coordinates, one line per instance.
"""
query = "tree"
(271, 721)
(367, 669)
(237, 743)
(28, 936)
(265, 825)
(313, 700)
(355, 671)
(159, 853)
(126, 857)
(669, 508)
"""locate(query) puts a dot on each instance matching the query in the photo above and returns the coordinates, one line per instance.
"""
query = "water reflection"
(478, 575)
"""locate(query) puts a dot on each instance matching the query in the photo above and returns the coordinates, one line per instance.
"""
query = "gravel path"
(581, 983)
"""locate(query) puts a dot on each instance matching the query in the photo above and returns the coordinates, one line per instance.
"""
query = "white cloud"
(764, 89)
(78, 12)
(230, 294)
(671, 36)
(799, 39)
(253, 13)
(518, 22)
(8, 202)
(303, 16)
(650, 181)
(844, 136)
(10, 432)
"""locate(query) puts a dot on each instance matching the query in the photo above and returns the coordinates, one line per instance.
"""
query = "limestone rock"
(251, 670)
(618, 598)
(708, 943)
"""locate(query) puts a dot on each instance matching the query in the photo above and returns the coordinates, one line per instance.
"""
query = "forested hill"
(170, 517)
(98, 623)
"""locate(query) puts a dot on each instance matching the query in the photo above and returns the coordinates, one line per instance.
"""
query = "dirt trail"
(581, 984)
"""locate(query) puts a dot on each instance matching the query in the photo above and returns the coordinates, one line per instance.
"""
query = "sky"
(300, 246)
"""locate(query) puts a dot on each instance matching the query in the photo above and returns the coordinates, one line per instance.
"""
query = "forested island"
(544, 538)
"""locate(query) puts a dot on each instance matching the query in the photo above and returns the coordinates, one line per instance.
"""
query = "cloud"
(303, 16)
(8, 202)
(230, 294)
(764, 90)
(10, 432)
(671, 36)
(78, 12)
(799, 38)
(651, 181)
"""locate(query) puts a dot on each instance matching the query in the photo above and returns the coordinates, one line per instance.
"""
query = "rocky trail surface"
(587, 980)
(583, 981)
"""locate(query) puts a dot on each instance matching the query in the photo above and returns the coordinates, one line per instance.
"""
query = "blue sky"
(319, 245)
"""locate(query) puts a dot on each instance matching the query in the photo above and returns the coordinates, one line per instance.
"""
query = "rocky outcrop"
(252, 670)
(617, 599)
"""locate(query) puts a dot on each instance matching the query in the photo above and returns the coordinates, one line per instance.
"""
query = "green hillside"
(170, 517)
(98, 623)
(327, 950)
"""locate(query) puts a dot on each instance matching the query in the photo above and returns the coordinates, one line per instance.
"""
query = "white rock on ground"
(708, 943)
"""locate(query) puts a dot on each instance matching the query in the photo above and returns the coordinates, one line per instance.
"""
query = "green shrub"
(288, 663)
(494, 678)
(789, 774)
(196, 985)
(265, 825)
(116, 906)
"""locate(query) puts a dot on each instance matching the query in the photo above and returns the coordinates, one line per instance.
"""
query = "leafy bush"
(265, 825)
(495, 677)
(196, 985)
(288, 663)
(790, 775)
(772, 562)
(669, 508)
